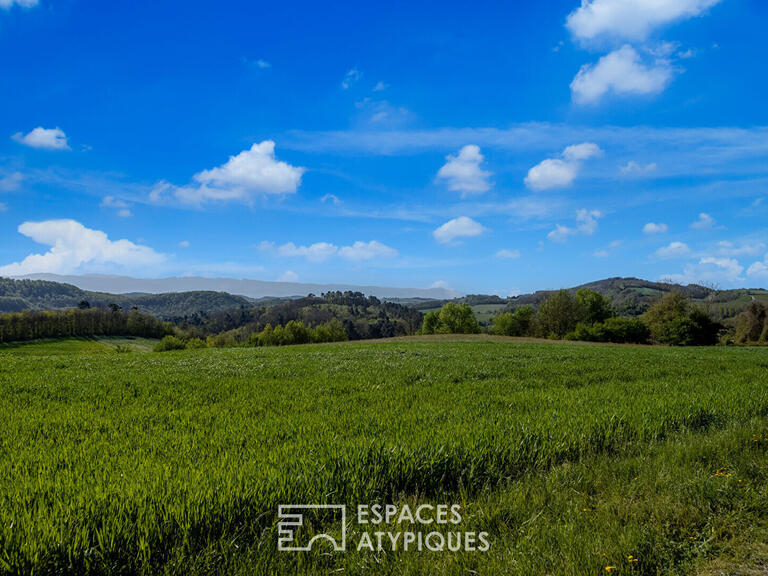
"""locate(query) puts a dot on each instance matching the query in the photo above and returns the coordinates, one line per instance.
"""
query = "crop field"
(574, 458)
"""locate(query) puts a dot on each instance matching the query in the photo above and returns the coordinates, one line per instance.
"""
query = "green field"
(575, 458)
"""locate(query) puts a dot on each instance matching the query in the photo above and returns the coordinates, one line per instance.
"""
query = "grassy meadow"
(575, 458)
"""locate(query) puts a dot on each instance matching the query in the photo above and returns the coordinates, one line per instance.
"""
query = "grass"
(572, 457)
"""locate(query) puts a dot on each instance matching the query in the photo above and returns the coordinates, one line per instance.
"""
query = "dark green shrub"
(170, 343)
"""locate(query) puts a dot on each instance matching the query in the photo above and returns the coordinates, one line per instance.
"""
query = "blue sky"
(490, 147)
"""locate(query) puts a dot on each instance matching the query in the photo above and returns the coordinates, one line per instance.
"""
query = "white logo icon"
(292, 519)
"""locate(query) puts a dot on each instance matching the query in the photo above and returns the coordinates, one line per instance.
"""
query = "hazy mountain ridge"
(18, 295)
(236, 286)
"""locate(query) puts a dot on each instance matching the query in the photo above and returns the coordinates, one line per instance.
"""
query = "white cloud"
(184, 244)
(440, 284)
(561, 233)
(317, 252)
(464, 173)
(44, 138)
(350, 78)
(7, 4)
(75, 248)
(601, 254)
(3, 207)
(586, 224)
(621, 73)
(673, 250)
(380, 86)
(288, 276)
(714, 270)
(508, 254)
(758, 270)
(252, 173)
(633, 168)
(263, 64)
(654, 228)
(587, 220)
(629, 19)
(322, 251)
(580, 152)
(11, 182)
(559, 173)
(461, 227)
(705, 222)
(330, 198)
(122, 207)
(725, 248)
(367, 251)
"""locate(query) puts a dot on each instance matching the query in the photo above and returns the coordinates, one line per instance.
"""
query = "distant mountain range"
(174, 298)
(239, 287)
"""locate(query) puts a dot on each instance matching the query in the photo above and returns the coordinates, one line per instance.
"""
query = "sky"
(488, 147)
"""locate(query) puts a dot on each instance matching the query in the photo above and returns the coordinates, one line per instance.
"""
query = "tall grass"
(176, 462)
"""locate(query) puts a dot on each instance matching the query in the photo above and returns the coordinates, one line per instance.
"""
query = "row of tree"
(588, 315)
(294, 332)
(80, 322)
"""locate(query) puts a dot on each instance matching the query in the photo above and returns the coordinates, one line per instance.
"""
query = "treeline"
(295, 332)
(362, 317)
(589, 316)
(80, 322)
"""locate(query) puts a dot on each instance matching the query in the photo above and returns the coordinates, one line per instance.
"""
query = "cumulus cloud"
(705, 222)
(464, 173)
(621, 73)
(673, 250)
(323, 251)
(621, 20)
(75, 248)
(252, 173)
(461, 227)
(367, 251)
(726, 248)
(561, 172)
(288, 276)
(317, 252)
(43, 138)
(508, 254)
(654, 228)
(758, 270)
(586, 224)
(711, 269)
(7, 4)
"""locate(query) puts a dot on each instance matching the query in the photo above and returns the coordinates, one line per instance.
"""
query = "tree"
(458, 319)
(431, 322)
(674, 321)
(752, 324)
(558, 315)
(83, 305)
(521, 322)
(592, 307)
(452, 318)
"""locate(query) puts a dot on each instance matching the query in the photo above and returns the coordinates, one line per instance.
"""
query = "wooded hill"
(628, 297)
(20, 295)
